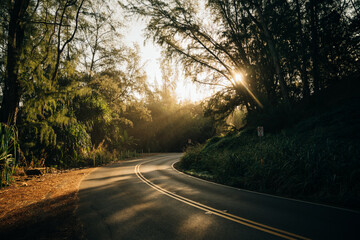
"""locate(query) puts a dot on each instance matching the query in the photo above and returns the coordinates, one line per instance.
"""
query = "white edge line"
(265, 194)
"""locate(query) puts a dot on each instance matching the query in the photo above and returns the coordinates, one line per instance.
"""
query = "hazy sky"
(149, 52)
(151, 55)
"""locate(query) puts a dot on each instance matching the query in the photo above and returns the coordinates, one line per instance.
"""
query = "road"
(148, 199)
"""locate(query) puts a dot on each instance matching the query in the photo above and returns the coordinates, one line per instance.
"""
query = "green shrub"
(191, 157)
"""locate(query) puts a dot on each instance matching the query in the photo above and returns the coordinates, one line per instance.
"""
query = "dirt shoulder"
(42, 207)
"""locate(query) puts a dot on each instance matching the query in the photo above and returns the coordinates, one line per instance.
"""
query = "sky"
(151, 55)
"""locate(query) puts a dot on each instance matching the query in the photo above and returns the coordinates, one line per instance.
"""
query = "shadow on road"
(120, 206)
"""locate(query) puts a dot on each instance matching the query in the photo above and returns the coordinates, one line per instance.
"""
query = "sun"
(239, 78)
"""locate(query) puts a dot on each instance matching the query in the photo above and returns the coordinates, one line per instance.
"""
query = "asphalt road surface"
(148, 199)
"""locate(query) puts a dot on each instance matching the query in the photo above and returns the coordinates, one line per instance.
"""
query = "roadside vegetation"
(315, 159)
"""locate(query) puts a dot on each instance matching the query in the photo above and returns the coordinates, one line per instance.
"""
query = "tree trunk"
(302, 46)
(274, 55)
(12, 84)
(314, 46)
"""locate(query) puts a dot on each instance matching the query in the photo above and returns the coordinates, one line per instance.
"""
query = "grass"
(317, 159)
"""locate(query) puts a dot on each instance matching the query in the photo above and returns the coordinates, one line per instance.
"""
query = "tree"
(100, 37)
(313, 6)
(171, 124)
(21, 14)
(221, 48)
(302, 46)
(285, 49)
(15, 38)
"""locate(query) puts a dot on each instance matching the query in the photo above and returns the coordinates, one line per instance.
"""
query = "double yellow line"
(231, 217)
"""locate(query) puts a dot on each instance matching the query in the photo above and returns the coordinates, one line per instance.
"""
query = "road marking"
(220, 213)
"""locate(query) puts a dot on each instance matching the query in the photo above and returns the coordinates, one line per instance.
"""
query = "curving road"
(148, 199)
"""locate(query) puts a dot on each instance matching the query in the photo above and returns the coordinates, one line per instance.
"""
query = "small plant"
(8, 153)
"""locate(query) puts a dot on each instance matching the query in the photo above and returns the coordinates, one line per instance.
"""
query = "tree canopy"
(72, 86)
(286, 50)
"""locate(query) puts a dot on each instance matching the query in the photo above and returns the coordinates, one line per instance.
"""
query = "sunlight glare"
(190, 92)
(238, 78)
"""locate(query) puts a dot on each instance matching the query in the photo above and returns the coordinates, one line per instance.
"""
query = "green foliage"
(9, 153)
(317, 159)
(171, 126)
(74, 85)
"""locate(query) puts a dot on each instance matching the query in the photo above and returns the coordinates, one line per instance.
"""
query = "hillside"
(316, 158)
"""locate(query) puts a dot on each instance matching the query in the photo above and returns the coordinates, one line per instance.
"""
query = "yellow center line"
(234, 218)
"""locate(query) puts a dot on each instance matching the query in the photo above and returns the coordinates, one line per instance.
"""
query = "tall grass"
(8, 153)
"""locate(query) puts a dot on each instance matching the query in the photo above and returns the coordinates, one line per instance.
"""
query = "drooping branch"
(196, 59)
(50, 23)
